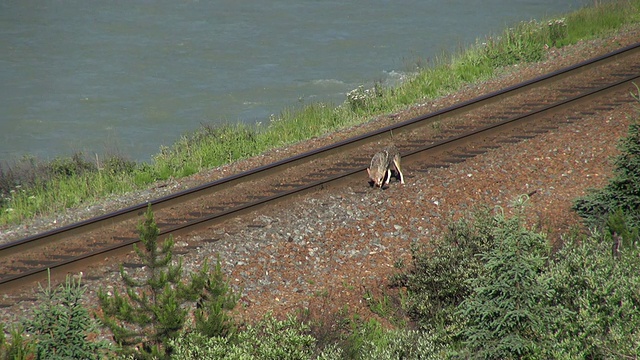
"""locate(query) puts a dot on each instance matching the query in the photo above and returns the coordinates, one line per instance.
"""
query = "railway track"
(436, 139)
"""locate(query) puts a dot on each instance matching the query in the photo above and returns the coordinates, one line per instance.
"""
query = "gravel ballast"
(328, 249)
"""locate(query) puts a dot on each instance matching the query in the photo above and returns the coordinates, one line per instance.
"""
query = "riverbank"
(31, 190)
(329, 256)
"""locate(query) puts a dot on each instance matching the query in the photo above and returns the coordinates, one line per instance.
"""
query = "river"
(126, 77)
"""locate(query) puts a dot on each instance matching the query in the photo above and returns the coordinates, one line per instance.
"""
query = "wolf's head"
(378, 169)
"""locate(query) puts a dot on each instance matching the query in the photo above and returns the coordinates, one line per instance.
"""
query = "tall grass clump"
(29, 188)
(601, 19)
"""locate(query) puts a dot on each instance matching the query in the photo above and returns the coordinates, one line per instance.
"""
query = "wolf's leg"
(396, 165)
(388, 177)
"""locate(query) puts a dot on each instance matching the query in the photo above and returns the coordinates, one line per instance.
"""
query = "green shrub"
(602, 293)
(116, 165)
(61, 325)
(75, 165)
(623, 190)
(369, 340)
(402, 344)
(369, 332)
(438, 279)
(270, 339)
(619, 232)
(211, 316)
(511, 304)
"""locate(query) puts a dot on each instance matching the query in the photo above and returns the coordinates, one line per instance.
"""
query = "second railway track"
(434, 140)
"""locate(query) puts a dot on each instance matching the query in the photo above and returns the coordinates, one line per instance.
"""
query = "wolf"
(382, 163)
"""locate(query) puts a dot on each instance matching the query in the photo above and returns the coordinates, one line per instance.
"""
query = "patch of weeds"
(327, 327)
(378, 305)
(347, 286)
(387, 306)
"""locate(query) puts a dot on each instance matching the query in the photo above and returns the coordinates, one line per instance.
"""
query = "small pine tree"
(623, 236)
(153, 308)
(17, 348)
(211, 316)
(61, 325)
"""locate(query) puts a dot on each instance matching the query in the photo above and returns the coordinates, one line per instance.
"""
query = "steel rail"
(129, 212)
(136, 210)
(327, 181)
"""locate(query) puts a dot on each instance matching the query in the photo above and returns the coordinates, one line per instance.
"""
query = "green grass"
(591, 22)
(29, 188)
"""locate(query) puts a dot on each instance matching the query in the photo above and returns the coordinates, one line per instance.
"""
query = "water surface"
(129, 76)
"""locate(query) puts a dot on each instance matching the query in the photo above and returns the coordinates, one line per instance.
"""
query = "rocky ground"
(328, 251)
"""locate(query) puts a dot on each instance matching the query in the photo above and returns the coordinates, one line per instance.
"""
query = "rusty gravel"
(324, 251)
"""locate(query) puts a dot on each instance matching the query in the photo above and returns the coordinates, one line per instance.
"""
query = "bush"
(61, 326)
(116, 165)
(622, 191)
(404, 344)
(211, 316)
(269, 339)
(371, 341)
(73, 166)
(438, 281)
(620, 233)
(508, 312)
(602, 293)
(581, 303)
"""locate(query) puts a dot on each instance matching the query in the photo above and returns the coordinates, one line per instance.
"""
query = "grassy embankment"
(29, 187)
